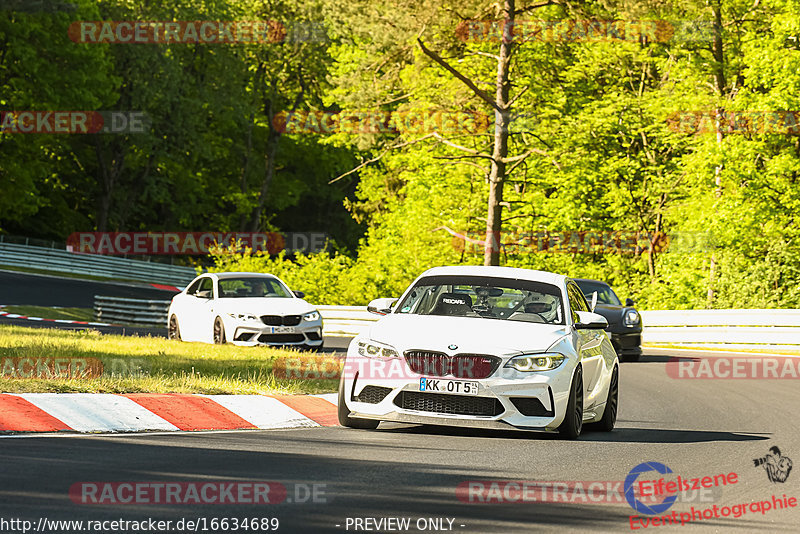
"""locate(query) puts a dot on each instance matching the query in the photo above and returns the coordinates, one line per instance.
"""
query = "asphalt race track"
(696, 427)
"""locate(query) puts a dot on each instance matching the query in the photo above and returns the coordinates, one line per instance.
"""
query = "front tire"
(219, 332)
(573, 420)
(344, 414)
(173, 330)
(606, 424)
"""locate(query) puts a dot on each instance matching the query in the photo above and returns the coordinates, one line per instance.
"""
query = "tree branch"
(377, 158)
(475, 153)
(469, 83)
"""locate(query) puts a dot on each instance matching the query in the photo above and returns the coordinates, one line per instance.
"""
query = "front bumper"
(628, 343)
(515, 400)
(308, 333)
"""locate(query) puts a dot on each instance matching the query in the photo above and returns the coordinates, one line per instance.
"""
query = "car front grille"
(372, 394)
(460, 366)
(281, 320)
(450, 404)
(281, 338)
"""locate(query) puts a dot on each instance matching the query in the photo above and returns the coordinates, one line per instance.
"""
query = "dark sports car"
(624, 322)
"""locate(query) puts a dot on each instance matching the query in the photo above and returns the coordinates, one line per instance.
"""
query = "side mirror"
(629, 302)
(299, 294)
(381, 306)
(204, 294)
(591, 321)
(594, 300)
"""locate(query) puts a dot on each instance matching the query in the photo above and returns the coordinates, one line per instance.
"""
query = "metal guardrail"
(118, 310)
(732, 329)
(48, 259)
(345, 321)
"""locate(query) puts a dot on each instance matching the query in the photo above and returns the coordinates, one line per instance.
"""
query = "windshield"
(485, 297)
(605, 295)
(252, 287)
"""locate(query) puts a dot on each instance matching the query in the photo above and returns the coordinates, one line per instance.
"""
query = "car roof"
(223, 276)
(500, 272)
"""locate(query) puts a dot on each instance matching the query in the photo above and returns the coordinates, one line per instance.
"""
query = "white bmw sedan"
(487, 347)
(244, 309)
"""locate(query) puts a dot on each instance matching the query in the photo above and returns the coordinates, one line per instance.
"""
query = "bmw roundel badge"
(452, 347)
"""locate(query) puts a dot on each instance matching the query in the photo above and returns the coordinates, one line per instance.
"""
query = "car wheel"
(344, 414)
(606, 424)
(573, 419)
(631, 358)
(219, 332)
(173, 330)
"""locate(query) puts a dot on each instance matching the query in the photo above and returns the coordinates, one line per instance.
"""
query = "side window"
(581, 298)
(206, 284)
(576, 301)
(194, 287)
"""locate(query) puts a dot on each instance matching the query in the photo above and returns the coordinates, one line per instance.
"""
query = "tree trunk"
(246, 169)
(497, 175)
(719, 85)
(109, 172)
(269, 173)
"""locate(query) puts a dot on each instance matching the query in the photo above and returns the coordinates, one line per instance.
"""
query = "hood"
(471, 334)
(265, 305)
(612, 312)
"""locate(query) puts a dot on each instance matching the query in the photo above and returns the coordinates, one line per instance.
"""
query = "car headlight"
(546, 361)
(631, 318)
(371, 349)
(245, 317)
(311, 316)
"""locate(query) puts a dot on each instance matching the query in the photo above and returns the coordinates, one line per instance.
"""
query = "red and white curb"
(61, 321)
(140, 412)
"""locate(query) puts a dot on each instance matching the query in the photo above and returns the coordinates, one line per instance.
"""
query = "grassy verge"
(71, 314)
(45, 360)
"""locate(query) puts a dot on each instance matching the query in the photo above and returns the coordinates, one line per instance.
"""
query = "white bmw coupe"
(244, 309)
(487, 347)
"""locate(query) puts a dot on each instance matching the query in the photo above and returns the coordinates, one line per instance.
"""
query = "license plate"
(283, 330)
(440, 385)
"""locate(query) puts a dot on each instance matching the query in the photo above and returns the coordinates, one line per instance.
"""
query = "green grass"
(122, 364)
(72, 314)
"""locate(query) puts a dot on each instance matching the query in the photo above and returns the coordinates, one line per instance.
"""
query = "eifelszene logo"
(630, 489)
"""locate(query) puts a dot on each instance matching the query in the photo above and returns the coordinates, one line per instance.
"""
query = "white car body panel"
(503, 338)
(196, 315)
